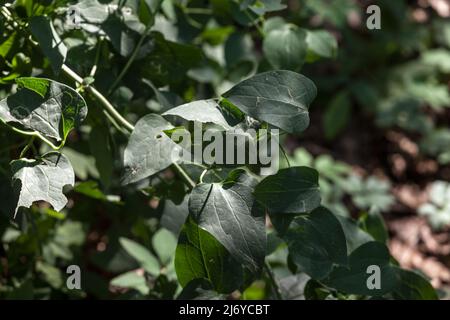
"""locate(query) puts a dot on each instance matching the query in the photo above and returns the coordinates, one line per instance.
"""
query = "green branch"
(105, 103)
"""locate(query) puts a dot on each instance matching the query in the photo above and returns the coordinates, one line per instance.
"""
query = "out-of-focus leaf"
(285, 47)
(145, 258)
(337, 115)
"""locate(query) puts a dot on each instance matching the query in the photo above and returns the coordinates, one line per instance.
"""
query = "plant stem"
(273, 282)
(27, 147)
(184, 175)
(106, 104)
(35, 134)
(285, 156)
(97, 57)
(202, 175)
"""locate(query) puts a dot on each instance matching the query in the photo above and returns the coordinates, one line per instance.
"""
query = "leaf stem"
(27, 147)
(203, 175)
(273, 282)
(285, 156)
(36, 134)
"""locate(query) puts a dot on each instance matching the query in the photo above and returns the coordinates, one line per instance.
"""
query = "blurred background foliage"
(379, 133)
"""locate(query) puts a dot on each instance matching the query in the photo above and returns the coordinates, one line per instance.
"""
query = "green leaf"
(174, 216)
(83, 164)
(164, 243)
(49, 41)
(354, 236)
(38, 85)
(100, 145)
(354, 279)
(51, 274)
(316, 242)
(145, 258)
(91, 189)
(229, 212)
(169, 61)
(204, 111)
(7, 45)
(44, 106)
(131, 280)
(149, 150)
(199, 255)
(42, 180)
(280, 98)
(372, 222)
(413, 286)
(122, 38)
(285, 47)
(320, 43)
(371, 193)
(290, 190)
(437, 209)
(273, 23)
(337, 115)
(260, 7)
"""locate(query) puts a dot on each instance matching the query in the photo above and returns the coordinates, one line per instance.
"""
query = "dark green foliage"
(110, 191)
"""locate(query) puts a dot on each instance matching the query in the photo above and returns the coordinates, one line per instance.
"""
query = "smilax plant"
(226, 221)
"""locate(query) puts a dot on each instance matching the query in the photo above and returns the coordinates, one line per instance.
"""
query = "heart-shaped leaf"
(229, 212)
(44, 106)
(42, 180)
(413, 286)
(285, 47)
(316, 242)
(281, 98)
(355, 278)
